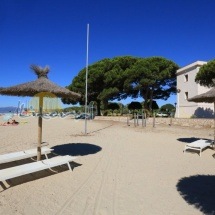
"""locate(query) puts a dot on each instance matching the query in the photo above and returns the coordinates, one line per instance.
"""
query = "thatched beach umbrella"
(208, 97)
(42, 87)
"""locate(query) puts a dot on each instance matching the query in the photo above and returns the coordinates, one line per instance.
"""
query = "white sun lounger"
(14, 156)
(24, 169)
(199, 145)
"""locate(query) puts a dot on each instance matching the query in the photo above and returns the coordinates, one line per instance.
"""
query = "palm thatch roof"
(42, 84)
(208, 97)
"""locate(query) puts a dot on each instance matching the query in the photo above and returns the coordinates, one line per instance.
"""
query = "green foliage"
(105, 81)
(154, 105)
(135, 106)
(205, 74)
(193, 116)
(167, 107)
(115, 77)
(120, 77)
(77, 109)
(113, 106)
(151, 78)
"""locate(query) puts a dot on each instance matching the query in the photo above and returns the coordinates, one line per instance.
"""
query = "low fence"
(194, 122)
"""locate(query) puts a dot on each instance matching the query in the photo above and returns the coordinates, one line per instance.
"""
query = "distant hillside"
(7, 109)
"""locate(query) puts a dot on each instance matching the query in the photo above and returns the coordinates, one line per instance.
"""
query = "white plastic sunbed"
(24, 169)
(199, 145)
(14, 156)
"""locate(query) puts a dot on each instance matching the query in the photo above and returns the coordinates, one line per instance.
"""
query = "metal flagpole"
(86, 79)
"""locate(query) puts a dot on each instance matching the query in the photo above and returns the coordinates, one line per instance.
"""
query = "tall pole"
(88, 27)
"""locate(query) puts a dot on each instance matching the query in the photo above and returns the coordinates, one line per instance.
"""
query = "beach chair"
(199, 145)
(24, 169)
(14, 156)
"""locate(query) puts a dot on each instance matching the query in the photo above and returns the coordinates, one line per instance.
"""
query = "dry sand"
(120, 170)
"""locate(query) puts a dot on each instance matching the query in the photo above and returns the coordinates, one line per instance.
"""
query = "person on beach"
(13, 122)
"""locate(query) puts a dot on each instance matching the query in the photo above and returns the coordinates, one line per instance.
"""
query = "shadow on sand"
(101, 129)
(76, 149)
(73, 149)
(199, 191)
(190, 139)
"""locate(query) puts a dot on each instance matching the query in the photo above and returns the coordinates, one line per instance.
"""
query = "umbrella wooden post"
(40, 128)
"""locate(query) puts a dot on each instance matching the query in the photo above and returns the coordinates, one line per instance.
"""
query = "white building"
(187, 88)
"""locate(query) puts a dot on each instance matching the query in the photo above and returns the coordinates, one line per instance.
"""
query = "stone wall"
(195, 122)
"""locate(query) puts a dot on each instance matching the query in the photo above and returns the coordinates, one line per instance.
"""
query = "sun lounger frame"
(199, 145)
(14, 156)
(33, 167)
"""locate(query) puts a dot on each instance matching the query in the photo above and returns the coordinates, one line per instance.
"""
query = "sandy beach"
(119, 170)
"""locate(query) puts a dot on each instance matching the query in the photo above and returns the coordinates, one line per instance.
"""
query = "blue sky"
(53, 32)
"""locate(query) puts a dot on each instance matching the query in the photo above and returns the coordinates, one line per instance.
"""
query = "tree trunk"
(145, 96)
(105, 103)
(151, 99)
(98, 103)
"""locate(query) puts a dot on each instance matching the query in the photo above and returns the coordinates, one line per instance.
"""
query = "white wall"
(184, 108)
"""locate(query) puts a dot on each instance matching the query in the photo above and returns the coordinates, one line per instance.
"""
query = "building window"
(185, 78)
(186, 95)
